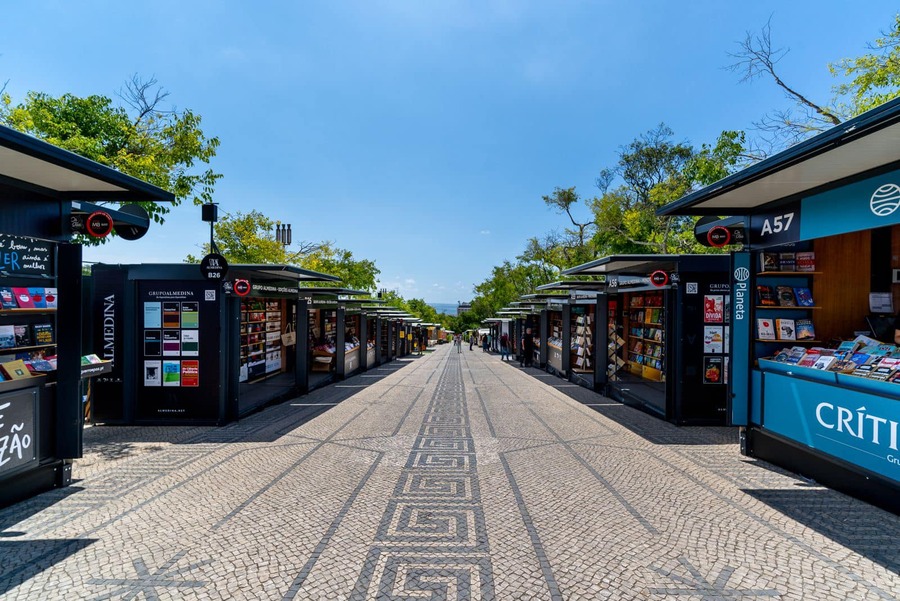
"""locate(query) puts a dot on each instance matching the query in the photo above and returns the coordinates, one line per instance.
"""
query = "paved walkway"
(452, 476)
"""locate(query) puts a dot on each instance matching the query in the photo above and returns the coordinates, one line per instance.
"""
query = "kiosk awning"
(286, 272)
(862, 144)
(626, 264)
(29, 163)
(570, 285)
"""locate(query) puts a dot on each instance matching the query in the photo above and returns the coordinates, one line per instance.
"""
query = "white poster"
(152, 373)
(713, 339)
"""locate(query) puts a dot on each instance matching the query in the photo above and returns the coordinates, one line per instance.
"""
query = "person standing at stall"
(504, 347)
(527, 349)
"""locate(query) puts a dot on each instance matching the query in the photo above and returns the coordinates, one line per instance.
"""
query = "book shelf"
(582, 345)
(260, 331)
(27, 332)
(778, 282)
(646, 342)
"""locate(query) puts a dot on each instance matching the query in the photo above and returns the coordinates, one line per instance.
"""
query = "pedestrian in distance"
(527, 349)
(457, 342)
(471, 340)
(484, 343)
(504, 347)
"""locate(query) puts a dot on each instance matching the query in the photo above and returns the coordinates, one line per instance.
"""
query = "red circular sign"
(718, 236)
(241, 287)
(659, 278)
(98, 224)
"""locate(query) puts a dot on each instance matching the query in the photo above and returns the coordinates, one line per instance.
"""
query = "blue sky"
(422, 134)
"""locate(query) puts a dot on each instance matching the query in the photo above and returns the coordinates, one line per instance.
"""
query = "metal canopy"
(570, 285)
(26, 162)
(326, 291)
(543, 296)
(287, 272)
(627, 264)
(865, 143)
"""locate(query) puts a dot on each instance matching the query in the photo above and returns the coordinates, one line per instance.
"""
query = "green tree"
(874, 79)
(159, 145)
(248, 238)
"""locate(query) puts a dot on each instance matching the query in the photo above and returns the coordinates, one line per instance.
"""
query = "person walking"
(484, 343)
(472, 337)
(504, 347)
(457, 341)
(527, 349)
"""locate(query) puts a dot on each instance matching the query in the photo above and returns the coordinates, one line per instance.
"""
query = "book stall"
(335, 331)
(189, 350)
(583, 298)
(47, 196)
(814, 372)
(660, 331)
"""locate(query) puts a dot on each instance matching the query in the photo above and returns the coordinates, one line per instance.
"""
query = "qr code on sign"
(209, 295)
(691, 288)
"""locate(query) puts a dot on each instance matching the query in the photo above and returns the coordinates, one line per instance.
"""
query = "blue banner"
(867, 204)
(739, 370)
(859, 428)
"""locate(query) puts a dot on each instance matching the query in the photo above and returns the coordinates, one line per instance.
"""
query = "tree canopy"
(162, 146)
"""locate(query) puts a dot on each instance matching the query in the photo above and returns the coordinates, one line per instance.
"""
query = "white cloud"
(485, 232)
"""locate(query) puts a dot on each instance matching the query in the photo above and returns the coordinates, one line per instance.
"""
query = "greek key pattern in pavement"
(432, 541)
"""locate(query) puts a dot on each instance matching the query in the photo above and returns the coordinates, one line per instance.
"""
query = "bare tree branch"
(144, 97)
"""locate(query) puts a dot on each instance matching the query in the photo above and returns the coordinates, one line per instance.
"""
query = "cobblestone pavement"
(452, 476)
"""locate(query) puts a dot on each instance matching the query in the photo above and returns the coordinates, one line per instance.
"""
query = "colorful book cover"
(786, 329)
(152, 373)
(796, 354)
(782, 356)
(171, 315)
(880, 373)
(806, 261)
(785, 296)
(765, 296)
(804, 297)
(171, 371)
(93, 359)
(42, 365)
(864, 370)
(860, 358)
(38, 297)
(805, 329)
(190, 343)
(152, 315)
(190, 373)
(50, 295)
(7, 298)
(787, 261)
(23, 334)
(713, 308)
(809, 359)
(23, 298)
(848, 346)
(171, 343)
(15, 370)
(7, 336)
(712, 370)
(768, 261)
(152, 343)
(824, 362)
(190, 315)
(713, 339)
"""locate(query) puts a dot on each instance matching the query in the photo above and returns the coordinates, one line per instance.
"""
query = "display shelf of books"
(614, 350)
(27, 330)
(273, 336)
(555, 337)
(582, 346)
(253, 340)
(782, 307)
(646, 336)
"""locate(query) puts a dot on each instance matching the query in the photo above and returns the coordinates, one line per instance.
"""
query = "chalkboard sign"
(25, 256)
(17, 444)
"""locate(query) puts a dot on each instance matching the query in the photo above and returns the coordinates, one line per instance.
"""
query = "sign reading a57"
(776, 227)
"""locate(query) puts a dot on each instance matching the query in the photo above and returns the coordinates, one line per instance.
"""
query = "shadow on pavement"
(865, 529)
(22, 560)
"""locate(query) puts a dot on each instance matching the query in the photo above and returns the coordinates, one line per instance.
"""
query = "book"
(38, 297)
(7, 336)
(768, 262)
(809, 359)
(153, 373)
(782, 356)
(864, 370)
(844, 366)
(787, 262)
(713, 308)
(43, 333)
(51, 297)
(171, 343)
(806, 261)
(786, 329)
(15, 370)
(785, 296)
(7, 298)
(765, 296)
(23, 335)
(805, 329)
(860, 358)
(23, 298)
(804, 297)
(190, 373)
(765, 329)
(713, 339)
(712, 370)
(171, 373)
(92, 359)
(795, 354)
(824, 362)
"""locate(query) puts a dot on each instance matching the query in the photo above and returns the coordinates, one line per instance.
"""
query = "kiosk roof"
(26, 161)
(288, 272)
(862, 144)
(626, 264)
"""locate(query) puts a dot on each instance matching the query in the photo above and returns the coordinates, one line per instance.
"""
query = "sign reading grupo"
(20, 255)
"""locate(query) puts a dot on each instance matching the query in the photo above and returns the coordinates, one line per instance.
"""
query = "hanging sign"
(98, 224)
(131, 231)
(718, 236)
(241, 287)
(213, 267)
(659, 278)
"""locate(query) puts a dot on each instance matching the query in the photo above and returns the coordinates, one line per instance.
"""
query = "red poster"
(713, 308)
(190, 372)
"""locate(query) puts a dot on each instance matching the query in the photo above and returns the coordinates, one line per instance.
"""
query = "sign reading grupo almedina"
(20, 255)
